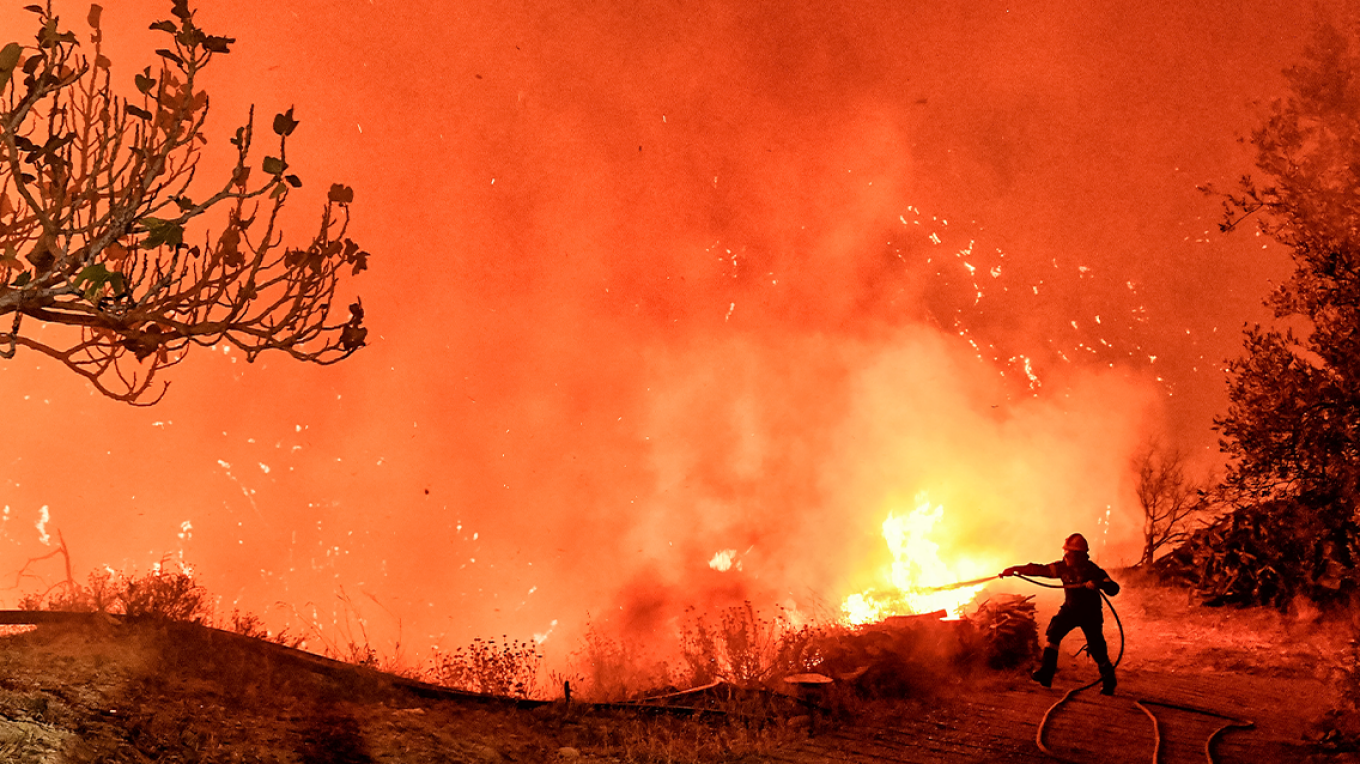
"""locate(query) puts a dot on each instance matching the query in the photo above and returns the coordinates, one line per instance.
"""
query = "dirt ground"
(117, 692)
(1189, 666)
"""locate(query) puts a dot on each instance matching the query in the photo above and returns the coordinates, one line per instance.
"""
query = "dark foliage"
(1292, 430)
(1293, 423)
(1269, 554)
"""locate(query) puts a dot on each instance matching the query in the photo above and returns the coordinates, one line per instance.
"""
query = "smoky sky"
(656, 280)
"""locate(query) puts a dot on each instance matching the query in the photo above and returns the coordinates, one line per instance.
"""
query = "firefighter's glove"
(1091, 585)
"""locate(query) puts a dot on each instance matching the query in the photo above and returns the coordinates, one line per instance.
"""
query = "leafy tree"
(97, 194)
(1292, 430)
(1293, 423)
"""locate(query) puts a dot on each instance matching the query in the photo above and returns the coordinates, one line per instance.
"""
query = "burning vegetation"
(921, 582)
(739, 607)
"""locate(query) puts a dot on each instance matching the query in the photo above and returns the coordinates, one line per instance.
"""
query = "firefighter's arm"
(1030, 569)
(1103, 582)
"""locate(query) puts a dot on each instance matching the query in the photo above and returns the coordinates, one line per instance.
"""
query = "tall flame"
(917, 574)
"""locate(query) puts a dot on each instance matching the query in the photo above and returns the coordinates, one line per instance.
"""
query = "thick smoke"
(655, 283)
(792, 453)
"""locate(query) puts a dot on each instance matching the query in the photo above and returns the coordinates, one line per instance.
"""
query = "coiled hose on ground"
(1142, 703)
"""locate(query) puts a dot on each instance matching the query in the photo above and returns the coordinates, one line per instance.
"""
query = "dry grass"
(163, 688)
(632, 737)
(168, 692)
(1167, 628)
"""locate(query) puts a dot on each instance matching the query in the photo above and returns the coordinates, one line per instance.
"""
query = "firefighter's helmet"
(1076, 543)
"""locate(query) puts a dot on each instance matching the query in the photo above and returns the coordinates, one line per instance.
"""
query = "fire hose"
(1142, 703)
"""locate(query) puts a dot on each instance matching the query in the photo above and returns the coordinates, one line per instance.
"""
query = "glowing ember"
(723, 561)
(918, 574)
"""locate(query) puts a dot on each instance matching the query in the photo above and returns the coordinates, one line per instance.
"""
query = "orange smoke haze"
(654, 283)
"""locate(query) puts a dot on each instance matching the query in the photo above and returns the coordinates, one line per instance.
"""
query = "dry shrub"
(505, 667)
(251, 625)
(99, 595)
(748, 649)
(916, 655)
(607, 669)
(1350, 676)
(159, 594)
(166, 596)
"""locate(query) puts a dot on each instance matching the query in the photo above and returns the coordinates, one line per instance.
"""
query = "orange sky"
(654, 280)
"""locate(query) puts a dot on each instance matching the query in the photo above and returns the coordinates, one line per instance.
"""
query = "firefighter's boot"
(1047, 667)
(1107, 680)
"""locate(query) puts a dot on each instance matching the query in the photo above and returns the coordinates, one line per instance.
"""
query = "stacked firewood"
(1005, 629)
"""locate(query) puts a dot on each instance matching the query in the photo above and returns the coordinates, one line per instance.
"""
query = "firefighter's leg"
(1100, 652)
(1048, 665)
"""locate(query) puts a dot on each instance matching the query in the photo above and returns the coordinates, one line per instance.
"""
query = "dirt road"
(1001, 724)
(1278, 671)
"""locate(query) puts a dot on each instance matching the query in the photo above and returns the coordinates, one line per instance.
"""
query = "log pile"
(1006, 629)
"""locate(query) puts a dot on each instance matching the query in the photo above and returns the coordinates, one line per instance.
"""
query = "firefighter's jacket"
(1075, 576)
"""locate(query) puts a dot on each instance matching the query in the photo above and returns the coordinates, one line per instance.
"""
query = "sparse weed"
(361, 655)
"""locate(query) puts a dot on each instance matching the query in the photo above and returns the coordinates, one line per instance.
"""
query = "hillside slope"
(101, 689)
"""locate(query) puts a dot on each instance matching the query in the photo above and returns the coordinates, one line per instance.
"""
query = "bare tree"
(1169, 497)
(95, 197)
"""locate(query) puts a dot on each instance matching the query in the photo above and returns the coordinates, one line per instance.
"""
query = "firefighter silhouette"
(1083, 581)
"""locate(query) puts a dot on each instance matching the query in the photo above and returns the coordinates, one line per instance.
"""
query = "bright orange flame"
(917, 573)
